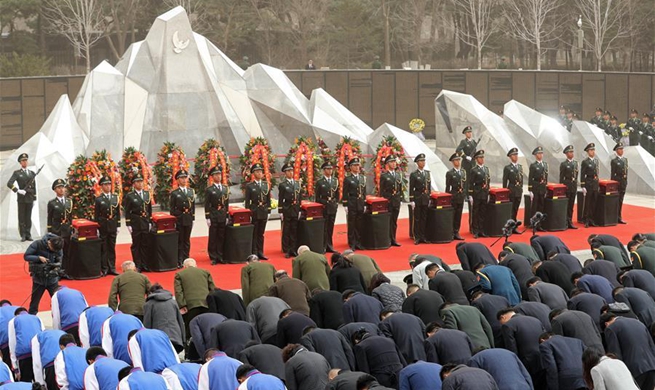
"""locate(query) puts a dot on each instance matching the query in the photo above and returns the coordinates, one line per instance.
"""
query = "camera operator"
(44, 257)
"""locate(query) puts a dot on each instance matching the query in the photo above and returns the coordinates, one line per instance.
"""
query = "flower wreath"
(346, 149)
(306, 164)
(416, 125)
(257, 151)
(324, 150)
(84, 176)
(210, 154)
(170, 160)
(388, 146)
(134, 162)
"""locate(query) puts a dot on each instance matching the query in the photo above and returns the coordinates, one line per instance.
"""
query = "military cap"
(455, 156)
(419, 157)
(215, 170)
(562, 107)
(23, 156)
(598, 109)
(567, 149)
(634, 111)
(256, 167)
(137, 177)
(569, 111)
(390, 158)
(619, 145)
(645, 115)
(479, 153)
(614, 118)
(607, 112)
(287, 167)
(181, 173)
(500, 112)
(353, 161)
(538, 149)
(107, 180)
(58, 183)
(591, 146)
(467, 129)
(512, 151)
(327, 165)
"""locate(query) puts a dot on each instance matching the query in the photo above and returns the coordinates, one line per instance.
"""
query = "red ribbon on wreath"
(304, 151)
(383, 152)
(145, 169)
(217, 157)
(259, 154)
(345, 155)
(96, 175)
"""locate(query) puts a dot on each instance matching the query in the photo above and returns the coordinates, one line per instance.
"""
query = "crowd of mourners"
(533, 317)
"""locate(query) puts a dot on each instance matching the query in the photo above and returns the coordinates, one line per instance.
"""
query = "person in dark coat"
(638, 278)
(537, 310)
(571, 262)
(407, 331)
(266, 358)
(331, 344)
(505, 367)
(489, 305)
(263, 313)
(227, 303)
(231, 336)
(521, 336)
(343, 379)
(390, 296)
(629, 340)
(200, 329)
(358, 307)
(523, 249)
(639, 301)
(423, 303)
(561, 358)
(499, 280)
(468, 319)
(369, 382)
(326, 309)
(378, 356)
(161, 312)
(547, 243)
(447, 345)
(344, 276)
(348, 330)
(593, 284)
(587, 303)
(304, 370)
(470, 254)
(290, 327)
(520, 267)
(462, 377)
(604, 268)
(555, 273)
(547, 293)
(467, 278)
(577, 324)
(447, 284)
(609, 240)
(293, 291)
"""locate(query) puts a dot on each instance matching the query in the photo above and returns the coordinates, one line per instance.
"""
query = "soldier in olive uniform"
(456, 185)
(258, 200)
(467, 147)
(25, 189)
(568, 175)
(619, 173)
(614, 130)
(479, 193)
(568, 121)
(138, 218)
(327, 194)
(589, 182)
(605, 123)
(633, 126)
(289, 197)
(513, 181)
(183, 207)
(108, 216)
(419, 197)
(217, 199)
(354, 199)
(647, 134)
(561, 116)
(391, 188)
(59, 216)
(537, 181)
(598, 118)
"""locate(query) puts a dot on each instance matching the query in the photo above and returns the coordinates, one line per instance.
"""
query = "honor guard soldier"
(598, 118)
(258, 200)
(513, 181)
(327, 194)
(419, 197)
(467, 147)
(537, 181)
(60, 215)
(25, 188)
(354, 199)
(619, 173)
(289, 197)
(561, 116)
(614, 130)
(391, 188)
(183, 206)
(108, 216)
(589, 182)
(647, 134)
(456, 185)
(633, 125)
(568, 175)
(217, 199)
(605, 122)
(479, 193)
(138, 218)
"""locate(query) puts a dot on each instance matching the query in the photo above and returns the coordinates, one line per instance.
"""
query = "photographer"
(44, 257)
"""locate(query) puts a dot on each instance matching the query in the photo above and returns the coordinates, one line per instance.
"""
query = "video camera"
(510, 226)
(47, 270)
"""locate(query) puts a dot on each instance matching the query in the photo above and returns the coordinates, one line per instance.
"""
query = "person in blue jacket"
(151, 350)
(218, 372)
(182, 376)
(45, 348)
(130, 378)
(90, 325)
(21, 329)
(250, 378)
(499, 280)
(7, 311)
(67, 306)
(420, 376)
(505, 367)
(115, 330)
(70, 364)
(102, 372)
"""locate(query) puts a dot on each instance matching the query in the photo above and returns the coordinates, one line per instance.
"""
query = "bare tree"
(80, 21)
(482, 23)
(121, 18)
(605, 20)
(196, 11)
(532, 21)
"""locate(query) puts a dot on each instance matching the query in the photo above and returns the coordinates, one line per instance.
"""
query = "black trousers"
(139, 247)
(25, 219)
(289, 235)
(50, 378)
(516, 203)
(457, 216)
(479, 213)
(75, 332)
(393, 221)
(420, 220)
(258, 236)
(354, 222)
(538, 203)
(590, 205)
(621, 196)
(190, 315)
(6, 358)
(216, 241)
(569, 208)
(329, 228)
(37, 293)
(26, 370)
(108, 252)
(646, 380)
(183, 242)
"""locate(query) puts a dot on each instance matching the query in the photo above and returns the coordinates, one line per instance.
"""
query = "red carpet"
(15, 282)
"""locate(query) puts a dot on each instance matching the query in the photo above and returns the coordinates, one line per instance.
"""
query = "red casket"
(310, 210)
(608, 186)
(499, 195)
(376, 204)
(164, 222)
(440, 199)
(239, 215)
(85, 229)
(555, 190)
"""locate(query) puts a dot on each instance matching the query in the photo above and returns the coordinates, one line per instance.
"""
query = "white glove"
(412, 204)
(470, 199)
(118, 230)
(281, 217)
(531, 196)
(129, 229)
(469, 158)
(21, 192)
(488, 198)
(299, 214)
(650, 138)
(149, 226)
(209, 222)
(641, 133)
(346, 208)
(584, 191)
